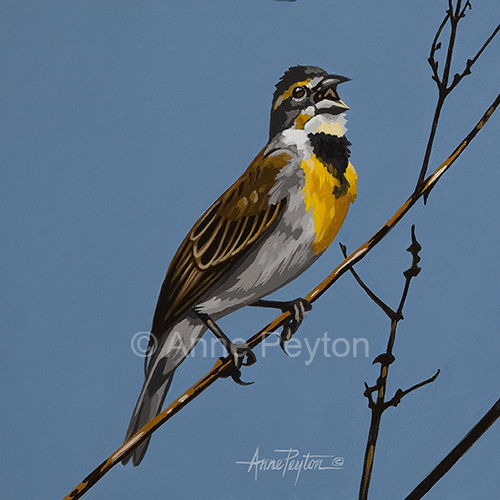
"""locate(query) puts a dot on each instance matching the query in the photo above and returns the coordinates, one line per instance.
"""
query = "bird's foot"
(297, 308)
(241, 355)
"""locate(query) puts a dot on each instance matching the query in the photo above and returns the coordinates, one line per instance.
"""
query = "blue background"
(121, 122)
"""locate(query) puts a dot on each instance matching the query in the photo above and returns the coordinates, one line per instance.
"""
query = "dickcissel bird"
(260, 234)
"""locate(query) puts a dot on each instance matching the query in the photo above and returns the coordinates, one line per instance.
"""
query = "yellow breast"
(328, 211)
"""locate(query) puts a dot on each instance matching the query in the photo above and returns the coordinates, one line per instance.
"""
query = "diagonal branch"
(222, 365)
(454, 456)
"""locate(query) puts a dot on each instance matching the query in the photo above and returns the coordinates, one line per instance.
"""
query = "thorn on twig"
(412, 272)
(369, 390)
(433, 63)
(385, 359)
(414, 249)
(415, 246)
(395, 400)
(414, 269)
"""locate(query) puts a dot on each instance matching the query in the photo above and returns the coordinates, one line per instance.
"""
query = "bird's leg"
(297, 308)
(238, 352)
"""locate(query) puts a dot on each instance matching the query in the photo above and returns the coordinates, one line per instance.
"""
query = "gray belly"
(278, 258)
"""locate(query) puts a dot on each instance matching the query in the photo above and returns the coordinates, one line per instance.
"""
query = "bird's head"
(304, 92)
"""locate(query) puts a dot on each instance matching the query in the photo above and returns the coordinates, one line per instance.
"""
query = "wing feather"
(219, 238)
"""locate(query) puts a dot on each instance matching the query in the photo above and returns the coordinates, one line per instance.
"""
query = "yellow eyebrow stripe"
(288, 92)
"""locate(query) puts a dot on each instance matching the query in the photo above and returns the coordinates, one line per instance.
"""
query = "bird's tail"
(172, 349)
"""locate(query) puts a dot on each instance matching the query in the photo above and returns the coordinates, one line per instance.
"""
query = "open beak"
(326, 97)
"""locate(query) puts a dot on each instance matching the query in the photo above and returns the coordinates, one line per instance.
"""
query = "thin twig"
(222, 366)
(458, 452)
(400, 394)
(378, 408)
(386, 359)
(387, 310)
(413, 270)
(454, 19)
(457, 78)
(435, 46)
(442, 82)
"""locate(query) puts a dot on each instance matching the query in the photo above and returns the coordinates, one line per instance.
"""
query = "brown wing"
(226, 230)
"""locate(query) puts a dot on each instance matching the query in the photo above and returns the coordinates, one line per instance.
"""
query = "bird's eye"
(298, 92)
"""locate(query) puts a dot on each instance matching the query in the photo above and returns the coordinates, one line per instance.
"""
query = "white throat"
(328, 124)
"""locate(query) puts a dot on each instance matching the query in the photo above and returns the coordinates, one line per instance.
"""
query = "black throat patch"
(334, 152)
